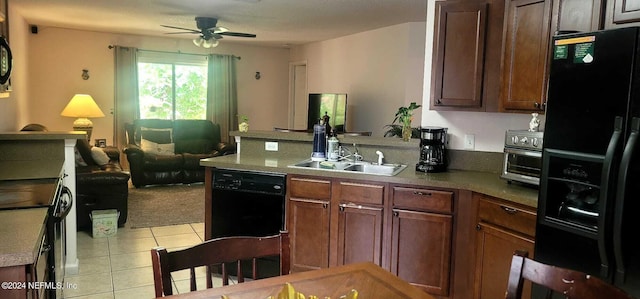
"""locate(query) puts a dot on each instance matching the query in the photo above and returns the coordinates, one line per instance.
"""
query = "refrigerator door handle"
(606, 193)
(625, 162)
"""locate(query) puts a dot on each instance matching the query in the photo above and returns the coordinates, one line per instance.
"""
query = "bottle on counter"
(332, 148)
(319, 142)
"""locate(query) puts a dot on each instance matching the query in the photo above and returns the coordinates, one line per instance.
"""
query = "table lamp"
(82, 106)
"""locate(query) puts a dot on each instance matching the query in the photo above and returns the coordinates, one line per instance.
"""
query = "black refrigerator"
(589, 200)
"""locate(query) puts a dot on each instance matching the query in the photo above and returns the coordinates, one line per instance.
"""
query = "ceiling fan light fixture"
(198, 41)
(210, 43)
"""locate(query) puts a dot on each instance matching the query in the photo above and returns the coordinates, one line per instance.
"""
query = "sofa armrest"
(224, 148)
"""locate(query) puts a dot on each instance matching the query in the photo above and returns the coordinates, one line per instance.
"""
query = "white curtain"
(126, 93)
(222, 95)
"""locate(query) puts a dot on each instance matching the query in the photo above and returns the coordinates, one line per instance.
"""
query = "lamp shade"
(82, 105)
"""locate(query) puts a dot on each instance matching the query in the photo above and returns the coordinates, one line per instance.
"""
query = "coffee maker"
(433, 154)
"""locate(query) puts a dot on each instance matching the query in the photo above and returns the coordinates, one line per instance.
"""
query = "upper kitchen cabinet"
(578, 15)
(526, 48)
(466, 56)
(622, 13)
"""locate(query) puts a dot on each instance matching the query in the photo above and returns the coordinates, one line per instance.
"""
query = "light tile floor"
(120, 266)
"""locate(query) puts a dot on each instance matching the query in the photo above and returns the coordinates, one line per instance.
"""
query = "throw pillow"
(99, 156)
(162, 136)
(167, 149)
(79, 160)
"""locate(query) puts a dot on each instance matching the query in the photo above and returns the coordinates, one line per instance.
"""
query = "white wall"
(57, 57)
(380, 70)
(488, 128)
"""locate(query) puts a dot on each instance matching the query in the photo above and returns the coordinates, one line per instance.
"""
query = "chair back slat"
(192, 278)
(571, 283)
(215, 253)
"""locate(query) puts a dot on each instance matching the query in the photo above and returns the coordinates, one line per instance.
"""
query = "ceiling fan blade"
(183, 32)
(219, 29)
(181, 28)
(238, 34)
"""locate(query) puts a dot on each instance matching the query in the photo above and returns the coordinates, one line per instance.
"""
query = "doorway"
(298, 101)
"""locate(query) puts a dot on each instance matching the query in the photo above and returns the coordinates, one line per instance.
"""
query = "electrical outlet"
(469, 141)
(270, 146)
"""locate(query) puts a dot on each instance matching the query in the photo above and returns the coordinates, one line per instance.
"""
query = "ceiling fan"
(208, 32)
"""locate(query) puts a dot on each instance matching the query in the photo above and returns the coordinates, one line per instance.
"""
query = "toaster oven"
(522, 156)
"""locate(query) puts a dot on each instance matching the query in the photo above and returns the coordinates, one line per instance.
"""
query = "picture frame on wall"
(101, 143)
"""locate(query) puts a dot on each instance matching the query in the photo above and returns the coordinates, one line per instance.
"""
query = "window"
(172, 85)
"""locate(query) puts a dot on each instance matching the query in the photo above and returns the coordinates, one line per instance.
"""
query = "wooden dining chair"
(217, 252)
(572, 284)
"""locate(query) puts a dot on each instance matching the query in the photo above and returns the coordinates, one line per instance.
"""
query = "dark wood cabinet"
(623, 13)
(405, 229)
(578, 15)
(525, 61)
(360, 222)
(308, 219)
(502, 228)
(459, 51)
(421, 242)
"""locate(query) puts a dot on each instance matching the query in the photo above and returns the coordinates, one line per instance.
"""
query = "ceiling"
(275, 22)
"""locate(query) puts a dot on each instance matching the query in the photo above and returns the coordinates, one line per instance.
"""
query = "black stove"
(33, 193)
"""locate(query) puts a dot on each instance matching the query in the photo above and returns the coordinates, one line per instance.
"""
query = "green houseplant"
(401, 125)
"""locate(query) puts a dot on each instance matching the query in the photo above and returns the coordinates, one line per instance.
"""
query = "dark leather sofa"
(191, 140)
(100, 187)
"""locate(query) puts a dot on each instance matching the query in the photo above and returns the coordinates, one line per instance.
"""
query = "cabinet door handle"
(478, 227)
(438, 101)
(396, 214)
(536, 105)
(509, 210)
(422, 193)
(341, 208)
(325, 205)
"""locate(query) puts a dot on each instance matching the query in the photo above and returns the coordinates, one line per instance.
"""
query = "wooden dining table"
(368, 279)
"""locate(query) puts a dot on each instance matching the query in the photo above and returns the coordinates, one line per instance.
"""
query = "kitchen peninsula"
(31, 166)
(435, 218)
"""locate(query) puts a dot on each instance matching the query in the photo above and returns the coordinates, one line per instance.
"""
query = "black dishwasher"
(248, 203)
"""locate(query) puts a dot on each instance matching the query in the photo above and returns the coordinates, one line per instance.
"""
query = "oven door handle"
(65, 206)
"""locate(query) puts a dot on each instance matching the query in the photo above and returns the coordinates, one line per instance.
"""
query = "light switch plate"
(270, 146)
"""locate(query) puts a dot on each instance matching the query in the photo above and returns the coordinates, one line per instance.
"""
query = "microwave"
(522, 157)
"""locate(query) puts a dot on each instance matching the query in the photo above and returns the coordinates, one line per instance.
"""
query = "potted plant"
(401, 125)
(243, 126)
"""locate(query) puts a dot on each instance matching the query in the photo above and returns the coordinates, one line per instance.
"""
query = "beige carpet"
(165, 205)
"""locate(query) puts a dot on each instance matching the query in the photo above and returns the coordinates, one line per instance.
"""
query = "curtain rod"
(157, 51)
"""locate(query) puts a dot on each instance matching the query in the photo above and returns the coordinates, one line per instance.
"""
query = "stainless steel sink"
(384, 169)
(308, 164)
(352, 167)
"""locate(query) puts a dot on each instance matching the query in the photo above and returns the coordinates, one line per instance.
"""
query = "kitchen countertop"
(482, 182)
(21, 233)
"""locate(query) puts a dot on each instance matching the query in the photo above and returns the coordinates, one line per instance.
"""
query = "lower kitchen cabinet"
(421, 242)
(421, 249)
(503, 228)
(308, 222)
(405, 229)
(360, 222)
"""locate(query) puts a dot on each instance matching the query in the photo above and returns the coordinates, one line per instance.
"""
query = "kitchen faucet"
(355, 156)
